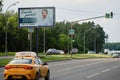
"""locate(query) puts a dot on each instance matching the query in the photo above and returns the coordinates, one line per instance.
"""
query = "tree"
(63, 41)
(112, 46)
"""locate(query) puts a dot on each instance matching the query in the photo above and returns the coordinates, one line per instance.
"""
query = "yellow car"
(26, 66)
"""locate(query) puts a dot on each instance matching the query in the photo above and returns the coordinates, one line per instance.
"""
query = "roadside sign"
(29, 36)
(71, 32)
(36, 17)
(30, 29)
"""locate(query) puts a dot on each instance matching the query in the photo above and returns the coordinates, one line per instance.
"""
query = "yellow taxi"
(26, 66)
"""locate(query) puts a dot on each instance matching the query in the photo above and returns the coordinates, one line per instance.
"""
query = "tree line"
(57, 37)
(112, 46)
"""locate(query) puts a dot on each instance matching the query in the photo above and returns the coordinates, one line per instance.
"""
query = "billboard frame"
(39, 26)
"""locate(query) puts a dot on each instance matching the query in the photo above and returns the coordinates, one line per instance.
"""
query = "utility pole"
(84, 48)
(6, 29)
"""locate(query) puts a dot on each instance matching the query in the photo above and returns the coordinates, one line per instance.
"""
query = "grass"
(9, 53)
(74, 56)
(77, 56)
(57, 57)
(4, 61)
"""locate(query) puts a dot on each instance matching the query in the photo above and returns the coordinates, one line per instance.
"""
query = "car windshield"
(21, 61)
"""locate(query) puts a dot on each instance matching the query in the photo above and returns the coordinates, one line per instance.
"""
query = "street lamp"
(84, 38)
(95, 42)
(13, 4)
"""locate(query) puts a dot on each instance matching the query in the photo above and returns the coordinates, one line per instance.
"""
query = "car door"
(43, 68)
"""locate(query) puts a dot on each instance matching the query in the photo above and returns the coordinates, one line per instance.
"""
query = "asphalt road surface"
(84, 69)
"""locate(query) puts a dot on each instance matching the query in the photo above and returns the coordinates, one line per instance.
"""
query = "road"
(84, 69)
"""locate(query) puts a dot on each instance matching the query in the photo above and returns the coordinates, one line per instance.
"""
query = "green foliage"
(63, 38)
(112, 46)
(56, 37)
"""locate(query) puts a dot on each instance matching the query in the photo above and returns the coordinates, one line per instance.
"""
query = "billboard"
(36, 17)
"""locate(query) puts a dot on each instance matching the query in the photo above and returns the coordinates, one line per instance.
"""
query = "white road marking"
(68, 69)
(115, 67)
(106, 70)
(93, 75)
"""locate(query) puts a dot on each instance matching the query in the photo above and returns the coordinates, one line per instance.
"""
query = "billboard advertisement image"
(36, 17)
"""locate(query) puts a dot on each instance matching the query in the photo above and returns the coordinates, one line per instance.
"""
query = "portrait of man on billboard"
(46, 20)
(37, 17)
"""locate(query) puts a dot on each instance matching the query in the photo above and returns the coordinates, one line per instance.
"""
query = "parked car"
(91, 52)
(74, 50)
(115, 55)
(61, 51)
(51, 51)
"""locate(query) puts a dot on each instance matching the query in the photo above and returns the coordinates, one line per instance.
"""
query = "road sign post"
(71, 33)
(30, 31)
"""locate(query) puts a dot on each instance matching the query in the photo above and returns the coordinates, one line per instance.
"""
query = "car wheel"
(47, 76)
(37, 77)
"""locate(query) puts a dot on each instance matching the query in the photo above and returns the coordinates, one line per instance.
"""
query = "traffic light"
(109, 15)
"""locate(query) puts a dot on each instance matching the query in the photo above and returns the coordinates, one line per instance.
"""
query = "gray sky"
(71, 10)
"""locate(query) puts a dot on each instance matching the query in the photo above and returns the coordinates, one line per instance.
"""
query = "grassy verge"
(9, 53)
(78, 56)
(61, 57)
(4, 61)
(55, 58)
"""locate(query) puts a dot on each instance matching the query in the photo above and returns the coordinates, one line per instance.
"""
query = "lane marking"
(69, 69)
(106, 70)
(93, 75)
(115, 67)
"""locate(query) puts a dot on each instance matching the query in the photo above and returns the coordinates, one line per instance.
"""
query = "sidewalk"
(3, 57)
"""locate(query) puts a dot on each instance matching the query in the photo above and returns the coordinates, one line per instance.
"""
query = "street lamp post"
(84, 39)
(95, 43)
(13, 4)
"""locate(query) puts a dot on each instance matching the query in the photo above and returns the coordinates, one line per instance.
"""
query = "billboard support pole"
(31, 42)
(37, 41)
(44, 42)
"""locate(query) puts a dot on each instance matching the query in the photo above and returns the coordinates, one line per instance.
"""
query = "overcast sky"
(71, 10)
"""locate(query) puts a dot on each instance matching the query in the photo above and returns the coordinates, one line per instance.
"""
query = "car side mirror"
(45, 63)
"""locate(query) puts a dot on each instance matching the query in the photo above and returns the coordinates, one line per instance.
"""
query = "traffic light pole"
(87, 19)
(107, 15)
